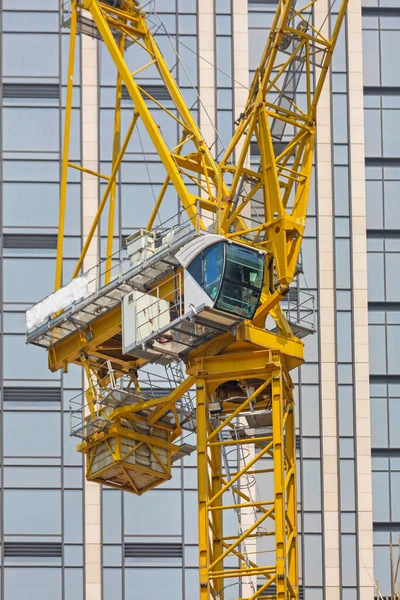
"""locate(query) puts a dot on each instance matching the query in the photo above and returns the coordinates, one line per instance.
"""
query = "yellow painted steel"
(115, 152)
(277, 514)
(254, 361)
(67, 134)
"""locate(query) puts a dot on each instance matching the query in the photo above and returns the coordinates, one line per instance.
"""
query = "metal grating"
(31, 90)
(31, 241)
(34, 549)
(386, 526)
(271, 592)
(381, 11)
(254, 149)
(88, 27)
(385, 379)
(383, 234)
(158, 92)
(384, 306)
(32, 394)
(292, 295)
(389, 90)
(143, 550)
(385, 452)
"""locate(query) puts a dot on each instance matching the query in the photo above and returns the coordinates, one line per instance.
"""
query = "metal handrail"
(86, 414)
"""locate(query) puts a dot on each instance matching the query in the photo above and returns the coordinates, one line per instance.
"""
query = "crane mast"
(199, 294)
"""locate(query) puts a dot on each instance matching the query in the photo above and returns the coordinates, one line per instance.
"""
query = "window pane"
(73, 584)
(392, 207)
(374, 204)
(213, 264)
(43, 516)
(379, 433)
(313, 560)
(342, 260)
(159, 513)
(395, 495)
(112, 581)
(340, 134)
(224, 51)
(344, 337)
(191, 517)
(377, 341)
(187, 66)
(73, 513)
(257, 41)
(35, 584)
(391, 133)
(137, 201)
(28, 279)
(36, 205)
(31, 129)
(349, 560)
(34, 359)
(312, 485)
(32, 434)
(380, 495)
(187, 24)
(163, 583)
(346, 415)
(310, 409)
(371, 58)
(26, 54)
(392, 341)
(382, 569)
(376, 273)
(112, 516)
(39, 477)
(196, 269)
(341, 181)
(394, 408)
(347, 485)
(390, 45)
(237, 299)
(373, 133)
(244, 266)
(392, 261)
(30, 21)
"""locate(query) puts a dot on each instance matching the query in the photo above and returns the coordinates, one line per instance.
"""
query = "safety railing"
(101, 280)
(164, 235)
(299, 309)
(90, 410)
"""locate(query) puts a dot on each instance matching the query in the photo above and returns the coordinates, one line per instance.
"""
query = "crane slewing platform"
(194, 327)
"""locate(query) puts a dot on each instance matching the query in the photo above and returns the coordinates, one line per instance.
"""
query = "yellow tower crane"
(200, 291)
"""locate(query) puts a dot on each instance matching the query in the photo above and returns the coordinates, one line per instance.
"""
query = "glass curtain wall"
(381, 33)
(42, 475)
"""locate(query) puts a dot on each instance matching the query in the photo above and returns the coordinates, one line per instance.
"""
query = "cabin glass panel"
(232, 276)
(242, 282)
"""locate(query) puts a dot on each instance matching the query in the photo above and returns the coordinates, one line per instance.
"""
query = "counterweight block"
(130, 456)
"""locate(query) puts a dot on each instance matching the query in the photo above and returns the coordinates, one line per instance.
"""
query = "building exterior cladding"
(63, 538)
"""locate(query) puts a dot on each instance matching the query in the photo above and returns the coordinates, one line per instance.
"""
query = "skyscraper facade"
(64, 538)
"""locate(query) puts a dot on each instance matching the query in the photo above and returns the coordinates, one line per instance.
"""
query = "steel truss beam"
(223, 557)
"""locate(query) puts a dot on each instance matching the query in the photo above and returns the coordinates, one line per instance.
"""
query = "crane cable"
(179, 60)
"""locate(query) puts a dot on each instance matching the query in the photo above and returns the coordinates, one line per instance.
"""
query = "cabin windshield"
(232, 276)
(242, 281)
